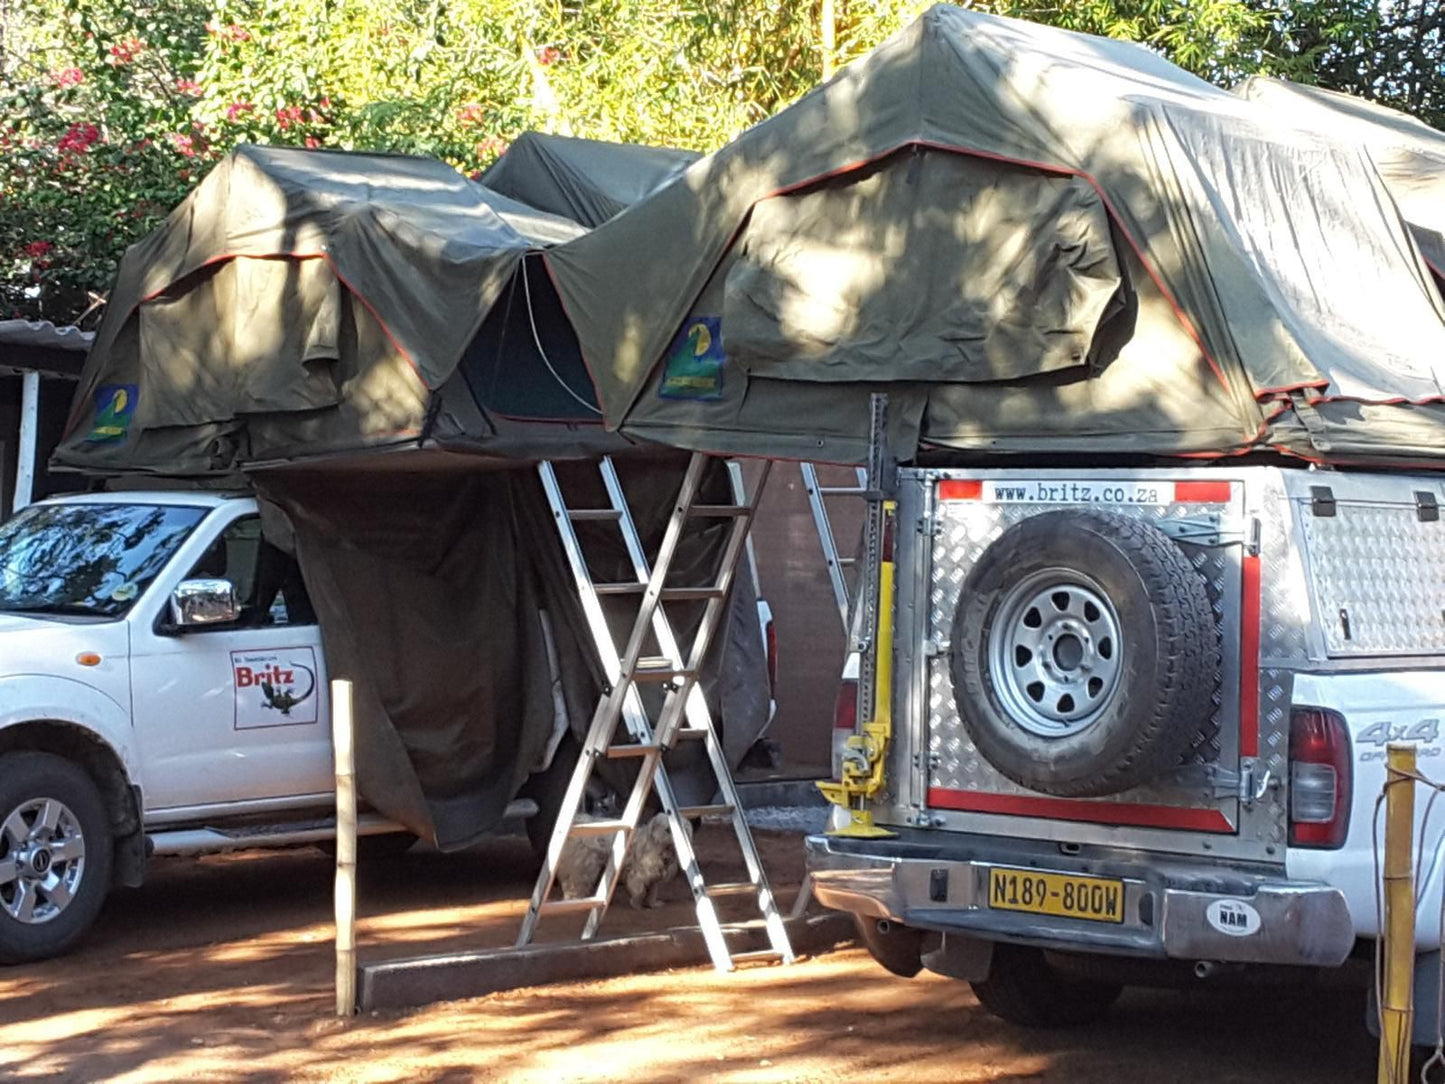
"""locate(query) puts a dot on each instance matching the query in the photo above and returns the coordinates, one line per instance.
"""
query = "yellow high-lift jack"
(865, 753)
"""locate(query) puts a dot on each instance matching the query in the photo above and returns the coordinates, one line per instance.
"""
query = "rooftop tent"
(585, 180)
(337, 325)
(1038, 242)
(1409, 154)
(301, 303)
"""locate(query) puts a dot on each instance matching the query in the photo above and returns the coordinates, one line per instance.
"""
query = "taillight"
(845, 721)
(1319, 778)
(770, 635)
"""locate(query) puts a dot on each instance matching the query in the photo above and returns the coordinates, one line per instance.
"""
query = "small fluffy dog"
(651, 861)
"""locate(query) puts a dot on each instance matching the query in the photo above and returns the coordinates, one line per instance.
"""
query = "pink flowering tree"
(96, 145)
(111, 112)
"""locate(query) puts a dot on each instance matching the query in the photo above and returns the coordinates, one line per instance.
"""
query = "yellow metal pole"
(1398, 986)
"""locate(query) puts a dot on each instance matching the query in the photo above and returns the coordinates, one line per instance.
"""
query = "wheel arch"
(87, 749)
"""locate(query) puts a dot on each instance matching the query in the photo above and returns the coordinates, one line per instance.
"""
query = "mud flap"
(960, 957)
(131, 850)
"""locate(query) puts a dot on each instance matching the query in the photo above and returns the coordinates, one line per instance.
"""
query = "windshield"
(87, 559)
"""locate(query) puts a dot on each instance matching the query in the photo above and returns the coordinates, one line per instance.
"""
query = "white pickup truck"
(1138, 728)
(162, 691)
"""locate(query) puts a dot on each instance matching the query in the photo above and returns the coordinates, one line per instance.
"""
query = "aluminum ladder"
(818, 495)
(683, 716)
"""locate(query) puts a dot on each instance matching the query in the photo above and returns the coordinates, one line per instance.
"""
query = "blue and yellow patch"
(694, 368)
(114, 409)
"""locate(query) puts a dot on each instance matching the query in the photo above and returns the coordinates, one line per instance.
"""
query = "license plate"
(1096, 899)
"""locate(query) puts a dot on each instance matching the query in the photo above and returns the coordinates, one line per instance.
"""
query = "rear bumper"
(928, 882)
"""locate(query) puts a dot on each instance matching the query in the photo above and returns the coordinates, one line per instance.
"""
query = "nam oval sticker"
(1233, 917)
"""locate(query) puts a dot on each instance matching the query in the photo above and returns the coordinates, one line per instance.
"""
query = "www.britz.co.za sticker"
(274, 688)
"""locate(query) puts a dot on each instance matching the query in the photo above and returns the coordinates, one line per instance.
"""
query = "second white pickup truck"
(144, 710)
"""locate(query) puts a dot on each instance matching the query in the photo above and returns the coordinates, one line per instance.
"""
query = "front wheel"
(1023, 989)
(55, 856)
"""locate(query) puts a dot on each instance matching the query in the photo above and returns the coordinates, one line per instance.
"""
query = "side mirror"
(204, 602)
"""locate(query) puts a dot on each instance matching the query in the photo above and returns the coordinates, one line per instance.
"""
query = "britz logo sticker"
(274, 688)
(1233, 917)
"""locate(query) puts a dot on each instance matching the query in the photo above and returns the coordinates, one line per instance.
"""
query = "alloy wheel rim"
(42, 860)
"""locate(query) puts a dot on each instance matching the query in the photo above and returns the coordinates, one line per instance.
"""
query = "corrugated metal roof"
(45, 335)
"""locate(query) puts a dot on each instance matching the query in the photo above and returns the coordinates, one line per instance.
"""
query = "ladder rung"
(598, 828)
(686, 594)
(737, 888)
(593, 513)
(719, 511)
(689, 733)
(672, 594)
(619, 588)
(842, 491)
(660, 669)
(688, 812)
(756, 957)
(570, 907)
(642, 750)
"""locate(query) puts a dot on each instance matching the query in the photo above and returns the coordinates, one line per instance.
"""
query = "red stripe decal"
(1249, 659)
(955, 489)
(1075, 809)
(1203, 492)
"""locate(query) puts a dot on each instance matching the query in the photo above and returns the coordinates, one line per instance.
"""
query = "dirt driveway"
(220, 969)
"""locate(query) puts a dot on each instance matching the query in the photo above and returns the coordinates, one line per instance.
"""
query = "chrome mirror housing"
(204, 602)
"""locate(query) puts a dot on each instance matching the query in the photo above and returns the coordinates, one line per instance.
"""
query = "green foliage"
(111, 112)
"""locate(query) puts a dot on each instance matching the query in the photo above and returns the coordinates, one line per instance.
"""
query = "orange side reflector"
(957, 489)
(1203, 492)
(88, 658)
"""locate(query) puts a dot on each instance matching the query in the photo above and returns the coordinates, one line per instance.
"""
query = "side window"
(268, 581)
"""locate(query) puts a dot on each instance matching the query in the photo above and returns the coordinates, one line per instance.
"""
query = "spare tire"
(1084, 653)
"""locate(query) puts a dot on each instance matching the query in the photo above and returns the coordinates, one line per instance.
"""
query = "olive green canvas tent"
(314, 303)
(585, 180)
(1409, 154)
(1039, 243)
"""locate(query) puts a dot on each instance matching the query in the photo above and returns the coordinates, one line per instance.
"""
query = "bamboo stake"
(344, 746)
(830, 42)
(1398, 986)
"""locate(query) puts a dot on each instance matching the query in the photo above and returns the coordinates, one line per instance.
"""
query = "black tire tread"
(1023, 989)
(1187, 672)
(24, 775)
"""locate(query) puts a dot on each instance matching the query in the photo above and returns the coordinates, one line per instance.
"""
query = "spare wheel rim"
(42, 860)
(1055, 653)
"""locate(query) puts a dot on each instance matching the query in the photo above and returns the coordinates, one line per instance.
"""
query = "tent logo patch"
(695, 361)
(114, 409)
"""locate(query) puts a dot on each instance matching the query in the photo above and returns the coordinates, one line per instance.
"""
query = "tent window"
(930, 266)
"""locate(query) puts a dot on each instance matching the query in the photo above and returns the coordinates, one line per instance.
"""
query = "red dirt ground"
(220, 969)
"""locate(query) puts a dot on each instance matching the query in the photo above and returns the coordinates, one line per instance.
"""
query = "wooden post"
(343, 744)
(1397, 988)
